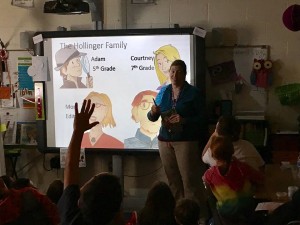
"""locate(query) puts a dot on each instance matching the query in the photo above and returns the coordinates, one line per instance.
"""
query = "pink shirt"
(105, 141)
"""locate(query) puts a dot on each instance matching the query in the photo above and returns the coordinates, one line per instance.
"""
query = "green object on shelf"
(12, 151)
(289, 94)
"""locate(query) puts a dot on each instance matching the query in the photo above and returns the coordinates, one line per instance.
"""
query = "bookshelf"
(255, 129)
(250, 115)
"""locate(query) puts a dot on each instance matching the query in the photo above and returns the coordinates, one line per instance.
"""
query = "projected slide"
(121, 75)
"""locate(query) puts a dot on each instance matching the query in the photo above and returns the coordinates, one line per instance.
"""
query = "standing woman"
(181, 107)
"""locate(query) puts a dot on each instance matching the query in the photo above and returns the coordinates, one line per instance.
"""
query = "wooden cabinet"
(285, 147)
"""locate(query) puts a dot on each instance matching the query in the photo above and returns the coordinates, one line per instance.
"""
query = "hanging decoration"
(222, 73)
(261, 75)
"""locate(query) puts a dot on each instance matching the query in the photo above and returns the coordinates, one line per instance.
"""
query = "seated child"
(159, 206)
(26, 206)
(55, 190)
(231, 181)
(187, 212)
(244, 151)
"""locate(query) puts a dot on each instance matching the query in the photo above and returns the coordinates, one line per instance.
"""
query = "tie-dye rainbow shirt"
(234, 190)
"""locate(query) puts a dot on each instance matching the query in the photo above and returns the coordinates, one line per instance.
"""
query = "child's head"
(159, 206)
(228, 126)
(221, 148)
(187, 212)
(100, 199)
(158, 191)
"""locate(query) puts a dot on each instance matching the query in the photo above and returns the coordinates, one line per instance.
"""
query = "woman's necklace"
(175, 97)
(93, 140)
(94, 136)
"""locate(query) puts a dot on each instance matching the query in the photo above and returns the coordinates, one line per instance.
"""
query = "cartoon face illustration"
(163, 64)
(96, 137)
(164, 56)
(146, 135)
(73, 68)
(103, 109)
(100, 111)
(71, 63)
(143, 109)
(141, 105)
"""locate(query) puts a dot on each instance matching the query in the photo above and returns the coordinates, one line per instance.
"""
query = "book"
(174, 127)
(168, 113)
(270, 206)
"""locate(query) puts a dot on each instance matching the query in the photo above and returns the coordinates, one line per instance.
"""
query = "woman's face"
(74, 67)
(100, 110)
(177, 75)
(163, 64)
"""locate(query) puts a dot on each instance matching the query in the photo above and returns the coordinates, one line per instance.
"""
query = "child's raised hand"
(82, 118)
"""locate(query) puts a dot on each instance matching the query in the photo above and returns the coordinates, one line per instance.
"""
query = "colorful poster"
(25, 81)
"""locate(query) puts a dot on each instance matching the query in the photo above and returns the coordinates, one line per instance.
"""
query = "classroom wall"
(255, 22)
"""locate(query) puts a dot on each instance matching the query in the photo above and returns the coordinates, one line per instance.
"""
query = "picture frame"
(26, 133)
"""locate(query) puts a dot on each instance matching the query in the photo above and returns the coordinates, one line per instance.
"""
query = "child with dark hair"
(55, 190)
(159, 206)
(187, 212)
(98, 202)
(231, 181)
(244, 151)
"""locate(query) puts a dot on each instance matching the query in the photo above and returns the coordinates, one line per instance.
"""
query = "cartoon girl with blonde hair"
(164, 56)
(96, 138)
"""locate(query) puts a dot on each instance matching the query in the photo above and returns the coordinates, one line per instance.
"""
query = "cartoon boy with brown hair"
(69, 63)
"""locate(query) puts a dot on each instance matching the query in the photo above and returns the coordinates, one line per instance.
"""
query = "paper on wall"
(38, 70)
(8, 103)
(9, 119)
(25, 81)
(199, 32)
(23, 3)
(63, 155)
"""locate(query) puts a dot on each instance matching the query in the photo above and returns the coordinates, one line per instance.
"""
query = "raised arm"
(208, 144)
(81, 124)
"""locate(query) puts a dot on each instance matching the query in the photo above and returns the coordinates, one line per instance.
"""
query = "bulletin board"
(19, 107)
(250, 97)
